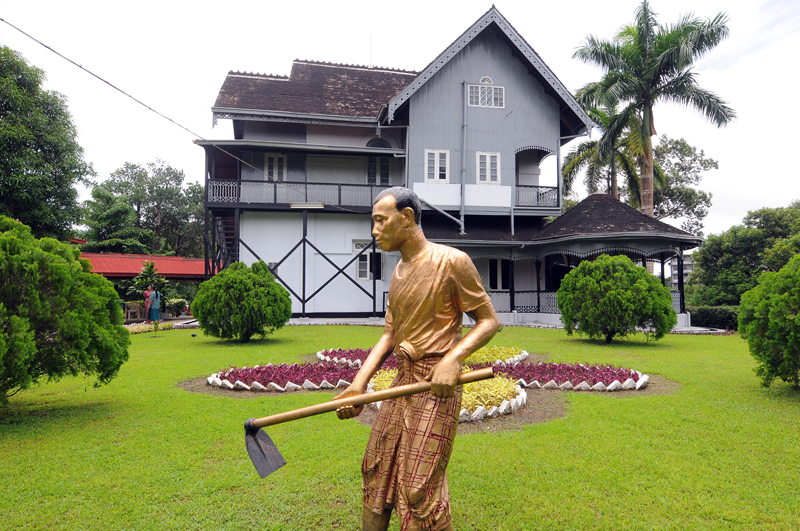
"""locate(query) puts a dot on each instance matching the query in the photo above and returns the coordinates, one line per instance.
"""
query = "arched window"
(378, 143)
(486, 94)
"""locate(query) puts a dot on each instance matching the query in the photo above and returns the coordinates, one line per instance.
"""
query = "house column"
(538, 286)
(662, 268)
(680, 279)
(511, 283)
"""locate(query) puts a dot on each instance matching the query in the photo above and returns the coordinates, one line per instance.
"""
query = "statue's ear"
(408, 215)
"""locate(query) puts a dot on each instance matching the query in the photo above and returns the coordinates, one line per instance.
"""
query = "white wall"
(272, 235)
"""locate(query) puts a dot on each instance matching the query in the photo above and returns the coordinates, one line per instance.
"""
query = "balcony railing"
(546, 302)
(274, 192)
(537, 196)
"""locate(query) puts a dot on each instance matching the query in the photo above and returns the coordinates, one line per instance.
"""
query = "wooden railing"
(274, 192)
(537, 196)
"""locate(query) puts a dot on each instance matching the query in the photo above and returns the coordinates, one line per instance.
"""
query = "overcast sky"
(174, 55)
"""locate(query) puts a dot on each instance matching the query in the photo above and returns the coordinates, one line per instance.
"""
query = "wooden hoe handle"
(366, 398)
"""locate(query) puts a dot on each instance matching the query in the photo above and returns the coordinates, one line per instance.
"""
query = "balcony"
(284, 193)
(536, 196)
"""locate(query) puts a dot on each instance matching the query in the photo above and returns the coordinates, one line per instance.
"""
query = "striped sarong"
(408, 451)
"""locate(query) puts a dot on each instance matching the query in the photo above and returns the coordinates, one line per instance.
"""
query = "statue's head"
(403, 198)
(396, 214)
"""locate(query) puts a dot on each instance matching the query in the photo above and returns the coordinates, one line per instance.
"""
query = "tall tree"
(40, 159)
(110, 221)
(162, 205)
(586, 157)
(647, 63)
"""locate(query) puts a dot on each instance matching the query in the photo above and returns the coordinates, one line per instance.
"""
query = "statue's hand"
(444, 377)
(348, 412)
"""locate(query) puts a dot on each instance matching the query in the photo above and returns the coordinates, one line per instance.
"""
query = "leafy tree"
(111, 225)
(174, 214)
(611, 296)
(56, 317)
(644, 64)
(40, 159)
(768, 321)
(682, 166)
(729, 264)
(240, 302)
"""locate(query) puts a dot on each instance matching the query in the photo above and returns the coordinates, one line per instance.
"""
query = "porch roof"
(601, 216)
(598, 217)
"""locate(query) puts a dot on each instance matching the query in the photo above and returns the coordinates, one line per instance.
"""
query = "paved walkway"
(379, 321)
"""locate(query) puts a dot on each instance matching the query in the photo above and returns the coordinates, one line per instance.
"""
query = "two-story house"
(294, 187)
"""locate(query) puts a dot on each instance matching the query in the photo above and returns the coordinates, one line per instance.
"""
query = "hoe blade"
(262, 451)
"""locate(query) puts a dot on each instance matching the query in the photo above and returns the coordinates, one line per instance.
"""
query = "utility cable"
(223, 150)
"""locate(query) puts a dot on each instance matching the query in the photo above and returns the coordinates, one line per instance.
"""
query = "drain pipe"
(464, 155)
(440, 211)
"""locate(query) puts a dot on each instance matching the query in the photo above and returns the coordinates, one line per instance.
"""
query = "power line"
(167, 117)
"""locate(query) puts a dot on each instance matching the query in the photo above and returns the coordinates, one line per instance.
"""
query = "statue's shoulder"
(447, 253)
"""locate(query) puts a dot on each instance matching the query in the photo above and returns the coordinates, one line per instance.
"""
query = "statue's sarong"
(407, 454)
(412, 437)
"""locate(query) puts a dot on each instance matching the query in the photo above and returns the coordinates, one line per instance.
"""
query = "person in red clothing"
(147, 293)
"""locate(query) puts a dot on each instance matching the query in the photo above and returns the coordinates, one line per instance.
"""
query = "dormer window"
(486, 94)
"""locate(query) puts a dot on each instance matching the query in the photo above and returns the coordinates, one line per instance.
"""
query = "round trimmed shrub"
(768, 320)
(612, 296)
(240, 302)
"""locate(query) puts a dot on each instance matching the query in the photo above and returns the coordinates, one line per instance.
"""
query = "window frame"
(437, 168)
(280, 158)
(363, 269)
(488, 155)
(478, 93)
(378, 165)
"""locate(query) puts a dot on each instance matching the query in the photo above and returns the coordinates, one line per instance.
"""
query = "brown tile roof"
(315, 88)
(600, 214)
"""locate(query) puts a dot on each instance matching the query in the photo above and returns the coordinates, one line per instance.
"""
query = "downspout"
(442, 212)
(464, 155)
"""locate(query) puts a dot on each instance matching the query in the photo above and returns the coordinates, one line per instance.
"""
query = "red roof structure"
(114, 265)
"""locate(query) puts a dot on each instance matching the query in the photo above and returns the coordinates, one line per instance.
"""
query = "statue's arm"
(445, 374)
(381, 351)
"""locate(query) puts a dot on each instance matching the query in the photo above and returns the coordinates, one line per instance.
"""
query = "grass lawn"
(141, 453)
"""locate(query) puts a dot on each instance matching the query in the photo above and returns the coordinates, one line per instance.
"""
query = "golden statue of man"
(412, 437)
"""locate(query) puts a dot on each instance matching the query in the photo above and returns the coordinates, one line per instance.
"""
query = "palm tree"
(586, 156)
(647, 63)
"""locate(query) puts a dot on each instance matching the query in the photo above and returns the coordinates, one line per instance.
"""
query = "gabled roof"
(600, 215)
(115, 265)
(314, 88)
(568, 104)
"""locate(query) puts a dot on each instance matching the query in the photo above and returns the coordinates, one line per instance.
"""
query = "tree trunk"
(647, 169)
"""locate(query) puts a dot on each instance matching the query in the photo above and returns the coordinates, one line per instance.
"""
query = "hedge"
(722, 317)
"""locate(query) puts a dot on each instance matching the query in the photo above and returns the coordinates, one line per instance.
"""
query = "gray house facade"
(295, 184)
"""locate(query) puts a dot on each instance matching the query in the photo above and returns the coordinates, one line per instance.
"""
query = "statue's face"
(391, 228)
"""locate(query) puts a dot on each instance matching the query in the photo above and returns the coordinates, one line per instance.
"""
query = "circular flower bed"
(501, 395)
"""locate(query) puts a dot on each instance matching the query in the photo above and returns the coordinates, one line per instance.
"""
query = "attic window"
(486, 94)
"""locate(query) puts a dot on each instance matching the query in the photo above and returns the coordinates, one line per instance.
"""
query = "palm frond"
(684, 90)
